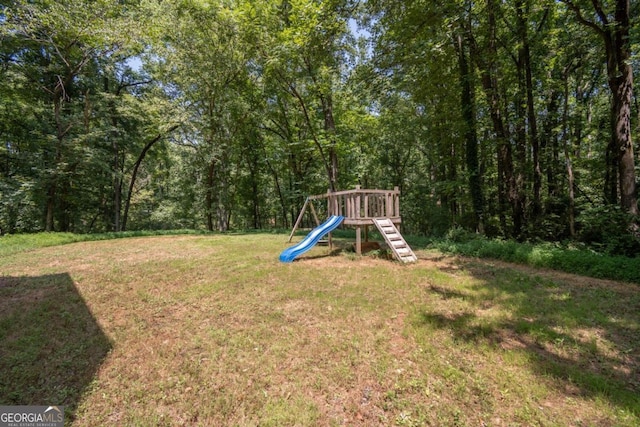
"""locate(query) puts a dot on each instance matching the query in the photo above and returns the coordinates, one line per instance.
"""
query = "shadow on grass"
(333, 253)
(585, 334)
(50, 344)
(547, 255)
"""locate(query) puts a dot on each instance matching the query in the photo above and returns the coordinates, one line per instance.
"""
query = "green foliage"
(73, 113)
(607, 229)
(199, 114)
(17, 210)
(568, 258)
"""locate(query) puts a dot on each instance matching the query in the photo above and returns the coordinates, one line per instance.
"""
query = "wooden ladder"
(395, 240)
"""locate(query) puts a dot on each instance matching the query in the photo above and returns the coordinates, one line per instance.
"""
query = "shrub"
(577, 259)
(606, 228)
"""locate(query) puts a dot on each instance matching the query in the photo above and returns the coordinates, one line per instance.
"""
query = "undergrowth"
(570, 258)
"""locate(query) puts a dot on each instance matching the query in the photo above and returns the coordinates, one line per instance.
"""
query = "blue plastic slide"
(289, 254)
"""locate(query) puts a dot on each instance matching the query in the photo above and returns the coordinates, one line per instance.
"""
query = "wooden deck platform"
(360, 207)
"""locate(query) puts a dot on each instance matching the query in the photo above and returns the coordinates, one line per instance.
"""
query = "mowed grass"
(213, 330)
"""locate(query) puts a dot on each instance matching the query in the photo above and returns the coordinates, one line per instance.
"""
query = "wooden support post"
(366, 206)
(358, 240)
(357, 204)
(332, 209)
(299, 219)
(397, 201)
(315, 215)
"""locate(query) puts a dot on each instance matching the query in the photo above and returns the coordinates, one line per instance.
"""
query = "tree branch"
(582, 19)
(603, 16)
(134, 173)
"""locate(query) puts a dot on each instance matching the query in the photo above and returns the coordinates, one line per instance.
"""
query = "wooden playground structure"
(362, 208)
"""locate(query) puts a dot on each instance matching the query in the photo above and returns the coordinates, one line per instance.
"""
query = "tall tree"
(524, 63)
(467, 100)
(613, 26)
(203, 59)
(57, 50)
(305, 60)
(487, 57)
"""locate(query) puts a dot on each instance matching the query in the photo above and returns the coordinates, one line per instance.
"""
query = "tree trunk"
(620, 78)
(50, 206)
(117, 178)
(208, 198)
(621, 84)
(223, 197)
(467, 100)
(567, 155)
(525, 58)
(330, 129)
(507, 188)
(52, 190)
(330, 161)
(611, 173)
(521, 149)
(134, 173)
(117, 201)
(252, 164)
(549, 143)
(281, 199)
(621, 113)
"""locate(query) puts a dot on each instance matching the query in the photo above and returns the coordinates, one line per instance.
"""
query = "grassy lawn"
(213, 330)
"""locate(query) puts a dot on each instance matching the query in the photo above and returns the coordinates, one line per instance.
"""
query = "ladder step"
(395, 240)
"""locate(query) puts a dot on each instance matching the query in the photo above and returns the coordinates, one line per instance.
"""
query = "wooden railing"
(359, 207)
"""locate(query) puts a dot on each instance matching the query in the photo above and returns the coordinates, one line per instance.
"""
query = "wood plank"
(394, 239)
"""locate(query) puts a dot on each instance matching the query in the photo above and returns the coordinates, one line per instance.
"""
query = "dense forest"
(513, 118)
